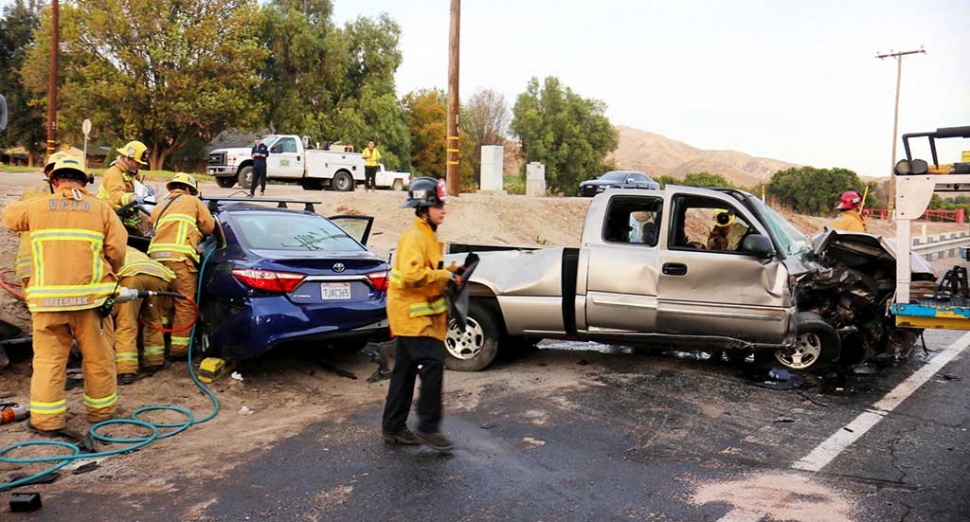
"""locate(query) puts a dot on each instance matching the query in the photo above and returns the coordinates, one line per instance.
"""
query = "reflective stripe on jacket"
(77, 245)
(180, 229)
(22, 264)
(117, 187)
(138, 263)
(371, 157)
(849, 220)
(416, 305)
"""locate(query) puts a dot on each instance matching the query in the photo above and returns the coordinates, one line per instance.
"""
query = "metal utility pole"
(52, 82)
(899, 74)
(453, 156)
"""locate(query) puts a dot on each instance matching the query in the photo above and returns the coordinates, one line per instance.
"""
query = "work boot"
(125, 379)
(436, 441)
(404, 436)
(82, 440)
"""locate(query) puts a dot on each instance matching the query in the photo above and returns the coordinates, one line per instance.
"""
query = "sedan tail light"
(268, 280)
(379, 280)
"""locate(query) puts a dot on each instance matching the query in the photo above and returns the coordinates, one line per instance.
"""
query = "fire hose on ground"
(136, 442)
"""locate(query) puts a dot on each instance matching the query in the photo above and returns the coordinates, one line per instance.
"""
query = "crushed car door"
(708, 286)
(357, 227)
(621, 282)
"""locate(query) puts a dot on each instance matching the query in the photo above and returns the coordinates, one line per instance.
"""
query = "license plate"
(335, 291)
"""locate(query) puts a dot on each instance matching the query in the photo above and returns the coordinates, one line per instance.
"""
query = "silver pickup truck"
(713, 269)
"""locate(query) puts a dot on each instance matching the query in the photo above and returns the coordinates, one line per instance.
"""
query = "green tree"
(667, 179)
(809, 190)
(705, 179)
(25, 123)
(485, 120)
(570, 134)
(162, 71)
(427, 112)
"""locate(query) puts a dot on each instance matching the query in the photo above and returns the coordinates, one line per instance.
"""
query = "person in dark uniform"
(260, 151)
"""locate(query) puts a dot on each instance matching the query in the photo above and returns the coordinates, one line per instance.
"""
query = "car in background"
(279, 276)
(624, 179)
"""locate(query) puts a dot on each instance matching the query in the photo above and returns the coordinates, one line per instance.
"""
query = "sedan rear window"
(293, 232)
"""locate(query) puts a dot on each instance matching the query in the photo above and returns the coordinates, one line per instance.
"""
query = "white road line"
(833, 446)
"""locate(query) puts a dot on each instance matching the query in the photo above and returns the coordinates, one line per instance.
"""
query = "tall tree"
(427, 112)
(705, 179)
(162, 71)
(25, 123)
(570, 134)
(809, 190)
(485, 119)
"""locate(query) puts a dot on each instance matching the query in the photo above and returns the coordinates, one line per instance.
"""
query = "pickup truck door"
(286, 159)
(623, 268)
(707, 285)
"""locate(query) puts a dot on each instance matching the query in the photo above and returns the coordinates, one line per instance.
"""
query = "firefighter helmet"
(135, 150)
(52, 160)
(850, 200)
(69, 168)
(723, 218)
(426, 192)
(181, 178)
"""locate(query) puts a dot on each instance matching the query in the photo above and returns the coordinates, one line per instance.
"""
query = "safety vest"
(137, 263)
(22, 263)
(416, 306)
(77, 245)
(371, 157)
(179, 227)
(117, 187)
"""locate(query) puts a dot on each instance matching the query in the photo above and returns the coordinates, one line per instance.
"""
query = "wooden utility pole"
(453, 155)
(52, 83)
(899, 74)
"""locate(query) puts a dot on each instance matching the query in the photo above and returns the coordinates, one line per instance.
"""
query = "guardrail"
(957, 216)
(941, 245)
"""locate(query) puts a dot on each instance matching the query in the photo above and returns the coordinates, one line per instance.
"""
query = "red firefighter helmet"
(850, 200)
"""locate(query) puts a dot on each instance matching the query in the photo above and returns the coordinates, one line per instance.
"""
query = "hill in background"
(657, 155)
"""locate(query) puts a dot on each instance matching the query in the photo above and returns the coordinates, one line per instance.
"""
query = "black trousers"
(414, 356)
(259, 178)
(370, 177)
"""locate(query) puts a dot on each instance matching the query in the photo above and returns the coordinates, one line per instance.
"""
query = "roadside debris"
(237, 376)
(377, 355)
(781, 379)
(246, 411)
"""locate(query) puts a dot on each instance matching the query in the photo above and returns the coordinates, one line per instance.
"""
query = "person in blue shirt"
(260, 151)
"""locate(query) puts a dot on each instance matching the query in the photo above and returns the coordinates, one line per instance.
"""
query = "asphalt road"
(645, 437)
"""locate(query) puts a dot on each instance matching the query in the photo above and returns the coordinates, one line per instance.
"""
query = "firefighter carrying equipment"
(426, 192)
(184, 179)
(144, 275)
(416, 305)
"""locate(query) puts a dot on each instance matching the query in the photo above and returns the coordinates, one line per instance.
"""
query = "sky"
(794, 80)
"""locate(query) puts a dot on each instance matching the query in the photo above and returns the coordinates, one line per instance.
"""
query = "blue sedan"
(281, 276)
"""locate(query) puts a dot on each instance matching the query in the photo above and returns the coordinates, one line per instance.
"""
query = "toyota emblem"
(339, 267)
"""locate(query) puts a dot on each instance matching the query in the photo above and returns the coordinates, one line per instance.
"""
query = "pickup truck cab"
(710, 268)
(290, 159)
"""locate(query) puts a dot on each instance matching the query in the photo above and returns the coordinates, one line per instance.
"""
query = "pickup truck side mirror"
(758, 245)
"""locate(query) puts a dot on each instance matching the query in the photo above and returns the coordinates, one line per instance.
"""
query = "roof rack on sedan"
(280, 202)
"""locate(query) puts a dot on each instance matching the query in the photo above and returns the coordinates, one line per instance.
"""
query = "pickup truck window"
(285, 145)
(709, 224)
(633, 220)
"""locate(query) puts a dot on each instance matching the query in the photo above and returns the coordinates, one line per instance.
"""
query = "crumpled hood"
(857, 248)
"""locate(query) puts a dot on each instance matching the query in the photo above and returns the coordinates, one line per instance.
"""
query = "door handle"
(297, 159)
(674, 269)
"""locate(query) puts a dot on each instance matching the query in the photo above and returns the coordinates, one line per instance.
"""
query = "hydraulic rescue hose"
(136, 442)
(12, 288)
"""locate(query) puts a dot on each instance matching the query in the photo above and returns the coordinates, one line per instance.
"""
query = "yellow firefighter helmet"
(135, 150)
(185, 179)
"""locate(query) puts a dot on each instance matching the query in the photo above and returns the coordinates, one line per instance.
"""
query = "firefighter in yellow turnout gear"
(22, 263)
(78, 244)
(181, 221)
(118, 185)
(141, 273)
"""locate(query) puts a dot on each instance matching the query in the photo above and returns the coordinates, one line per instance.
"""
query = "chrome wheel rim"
(465, 344)
(807, 349)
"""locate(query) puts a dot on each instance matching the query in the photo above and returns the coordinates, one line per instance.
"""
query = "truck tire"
(342, 181)
(398, 185)
(817, 344)
(245, 177)
(226, 182)
(475, 348)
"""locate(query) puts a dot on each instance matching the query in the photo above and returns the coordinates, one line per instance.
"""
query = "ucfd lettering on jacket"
(77, 245)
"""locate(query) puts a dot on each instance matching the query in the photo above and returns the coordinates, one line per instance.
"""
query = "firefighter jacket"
(137, 263)
(21, 265)
(849, 220)
(416, 305)
(117, 187)
(181, 220)
(78, 245)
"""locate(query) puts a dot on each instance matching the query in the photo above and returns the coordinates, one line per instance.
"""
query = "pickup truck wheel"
(245, 177)
(474, 348)
(816, 345)
(398, 185)
(342, 181)
(226, 182)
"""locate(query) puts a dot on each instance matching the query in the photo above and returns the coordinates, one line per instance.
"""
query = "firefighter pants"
(126, 325)
(414, 356)
(185, 282)
(53, 333)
